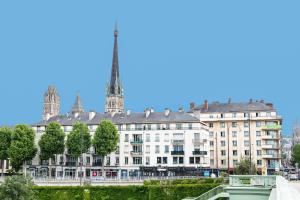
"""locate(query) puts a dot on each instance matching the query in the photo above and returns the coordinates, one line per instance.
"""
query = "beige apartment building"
(242, 130)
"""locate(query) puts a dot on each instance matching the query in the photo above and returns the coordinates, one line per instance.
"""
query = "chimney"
(147, 111)
(128, 112)
(192, 106)
(270, 105)
(167, 112)
(181, 110)
(92, 115)
(205, 106)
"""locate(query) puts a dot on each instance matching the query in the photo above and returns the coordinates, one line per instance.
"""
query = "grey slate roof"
(234, 107)
(121, 118)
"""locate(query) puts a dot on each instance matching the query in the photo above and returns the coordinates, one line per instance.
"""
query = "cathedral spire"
(114, 95)
(51, 103)
(115, 85)
(77, 107)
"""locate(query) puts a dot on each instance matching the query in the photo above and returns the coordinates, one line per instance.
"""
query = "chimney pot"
(192, 106)
(205, 105)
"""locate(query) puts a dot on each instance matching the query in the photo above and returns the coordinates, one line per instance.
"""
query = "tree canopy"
(243, 167)
(52, 142)
(106, 138)
(22, 147)
(5, 140)
(296, 154)
(78, 140)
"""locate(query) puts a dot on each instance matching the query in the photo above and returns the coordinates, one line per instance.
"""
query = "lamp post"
(81, 157)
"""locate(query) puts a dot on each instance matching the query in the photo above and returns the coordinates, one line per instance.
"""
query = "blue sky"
(170, 52)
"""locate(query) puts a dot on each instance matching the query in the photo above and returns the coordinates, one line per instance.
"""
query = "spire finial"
(116, 28)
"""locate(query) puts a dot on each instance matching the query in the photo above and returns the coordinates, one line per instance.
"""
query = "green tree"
(5, 140)
(52, 142)
(245, 167)
(105, 140)
(17, 188)
(78, 140)
(22, 147)
(296, 155)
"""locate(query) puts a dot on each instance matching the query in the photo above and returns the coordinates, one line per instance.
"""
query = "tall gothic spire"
(77, 107)
(115, 84)
(51, 103)
(114, 92)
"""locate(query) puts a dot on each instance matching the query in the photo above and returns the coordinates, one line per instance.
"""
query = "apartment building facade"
(242, 130)
(150, 144)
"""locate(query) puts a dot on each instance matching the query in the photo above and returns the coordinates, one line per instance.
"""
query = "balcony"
(177, 152)
(202, 153)
(270, 137)
(136, 153)
(271, 127)
(176, 141)
(71, 164)
(97, 164)
(274, 156)
(135, 142)
(270, 146)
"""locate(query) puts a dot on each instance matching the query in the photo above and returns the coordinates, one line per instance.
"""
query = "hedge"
(151, 192)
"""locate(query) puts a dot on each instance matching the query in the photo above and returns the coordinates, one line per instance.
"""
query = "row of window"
(234, 134)
(176, 136)
(159, 160)
(246, 124)
(235, 152)
(235, 162)
(234, 115)
(235, 143)
(178, 126)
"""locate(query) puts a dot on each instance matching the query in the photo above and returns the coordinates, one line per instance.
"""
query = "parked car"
(293, 176)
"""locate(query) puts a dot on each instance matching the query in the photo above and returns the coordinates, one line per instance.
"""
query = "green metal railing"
(209, 194)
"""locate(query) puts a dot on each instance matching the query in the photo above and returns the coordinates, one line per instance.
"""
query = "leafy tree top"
(106, 138)
(296, 154)
(52, 142)
(5, 140)
(78, 140)
(244, 166)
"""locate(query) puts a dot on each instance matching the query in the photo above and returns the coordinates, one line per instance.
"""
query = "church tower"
(114, 92)
(77, 107)
(51, 103)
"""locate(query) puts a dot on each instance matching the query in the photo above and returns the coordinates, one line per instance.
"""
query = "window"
(158, 126)
(223, 153)
(126, 137)
(258, 124)
(223, 143)
(234, 115)
(234, 152)
(246, 114)
(246, 143)
(167, 126)
(197, 160)
(234, 133)
(222, 115)
(175, 160)
(147, 137)
(258, 133)
(138, 127)
(196, 136)
(166, 139)
(166, 148)
(211, 143)
(235, 162)
(211, 134)
(127, 127)
(158, 160)
(148, 126)
(258, 162)
(212, 153)
(268, 114)
(212, 161)
(157, 137)
(156, 148)
(88, 160)
(247, 152)
(223, 162)
(180, 160)
(165, 160)
(211, 125)
(192, 161)
(178, 126)
(147, 160)
(117, 160)
(234, 124)
(222, 133)
(126, 160)
(258, 143)
(222, 124)
(246, 133)
(256, 114)
(211, 116)
(190, 126)
(147, 148)
(234, 143)
(246, 124)
(137, 160)
(258, 152)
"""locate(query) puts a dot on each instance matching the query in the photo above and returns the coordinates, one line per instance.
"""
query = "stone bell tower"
(51, 103)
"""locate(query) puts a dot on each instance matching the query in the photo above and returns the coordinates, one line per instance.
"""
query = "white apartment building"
(150, 144)
(239, 130)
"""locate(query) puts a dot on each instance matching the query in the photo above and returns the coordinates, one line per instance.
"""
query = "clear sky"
(170, 53)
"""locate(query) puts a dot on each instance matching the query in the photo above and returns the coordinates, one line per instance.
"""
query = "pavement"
(295, 186)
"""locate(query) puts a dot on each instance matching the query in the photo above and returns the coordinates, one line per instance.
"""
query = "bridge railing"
(209, 194)
(252, 181)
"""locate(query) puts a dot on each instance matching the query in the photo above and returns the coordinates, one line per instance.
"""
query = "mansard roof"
(217, 107)
(91, 118)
